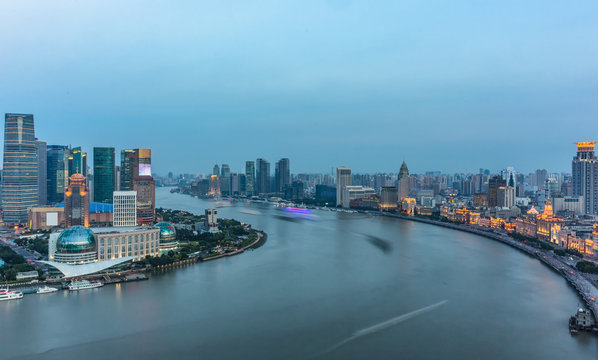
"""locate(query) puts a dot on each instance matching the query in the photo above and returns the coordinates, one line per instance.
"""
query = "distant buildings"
(585, 176)
(494, 183)
(250, 177)
(57, 172)
(355, 192)
(103, 174)
(125, 208)
(42, 170)
(20, 168)
(343, 179)
(262, 176)
(282, 174)
(77, 162)
(76, 202)
(388, 198)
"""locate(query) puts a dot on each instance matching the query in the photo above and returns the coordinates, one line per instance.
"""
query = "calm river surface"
(323, 289)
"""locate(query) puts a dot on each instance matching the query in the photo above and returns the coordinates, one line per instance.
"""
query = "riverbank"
(586, 290)
(257, 243)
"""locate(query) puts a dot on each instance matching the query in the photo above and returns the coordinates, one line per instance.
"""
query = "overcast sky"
(445, 85)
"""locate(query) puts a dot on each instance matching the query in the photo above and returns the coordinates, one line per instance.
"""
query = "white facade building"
(125, 208)
(355, 192)
(343, 179)
(211, 221)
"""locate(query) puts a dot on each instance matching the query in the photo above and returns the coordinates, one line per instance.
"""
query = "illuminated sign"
(145, 170)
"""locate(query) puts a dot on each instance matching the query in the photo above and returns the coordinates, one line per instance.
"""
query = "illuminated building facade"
(103, 174)
(388, 198)
(77, 162)
(403, 182)
(548, 224)
(76, 202)
(343, 179)
(20, 170)
(585, 176)
(213, 186)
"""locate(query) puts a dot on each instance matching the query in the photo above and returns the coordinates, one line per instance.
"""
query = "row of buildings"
(47, 181)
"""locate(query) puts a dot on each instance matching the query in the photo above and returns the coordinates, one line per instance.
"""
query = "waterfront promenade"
(587, 291)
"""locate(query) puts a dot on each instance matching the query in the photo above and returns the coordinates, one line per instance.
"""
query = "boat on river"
(84, 284)
(6, 294)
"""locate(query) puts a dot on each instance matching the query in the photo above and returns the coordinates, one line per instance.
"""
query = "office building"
(262, 176)
(343, 179)
(403, 182)
(103, 174)
(76, 202)
(211, 220)
(127, 162)
(494, 183)
(282, 174)
(77, 162)
(42, 169)
(125, 208)
(19, 176)
(144, 184)
(585, 176)
(57, 172)
(225, 181)
(351, 193)
(388, 198)
(250, 177)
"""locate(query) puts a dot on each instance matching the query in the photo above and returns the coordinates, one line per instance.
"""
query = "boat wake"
(385, 325)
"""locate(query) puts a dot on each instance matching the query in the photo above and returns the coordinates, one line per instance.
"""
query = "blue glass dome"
(76, 239)
(167, 231)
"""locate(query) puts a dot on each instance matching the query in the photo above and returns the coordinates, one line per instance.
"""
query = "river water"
(339, 286)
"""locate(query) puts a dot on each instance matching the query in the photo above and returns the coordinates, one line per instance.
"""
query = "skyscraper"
(57, 172)
(585, 176)
(494, 183)
(77, 162)
(403, 182)
(19, 176)
(262, 176)
(225, 181)
(42, 169)
(250, 177)
(76, 202)
(127, 162)
(103, 174)
(144, 184)
(282, 174)
(343, 179)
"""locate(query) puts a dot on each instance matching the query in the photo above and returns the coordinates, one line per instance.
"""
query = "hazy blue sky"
(447, 85)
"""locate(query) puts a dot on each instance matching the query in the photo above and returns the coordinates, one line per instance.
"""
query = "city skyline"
(477, 89)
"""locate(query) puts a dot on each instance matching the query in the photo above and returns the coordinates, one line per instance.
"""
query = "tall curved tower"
(403, 183)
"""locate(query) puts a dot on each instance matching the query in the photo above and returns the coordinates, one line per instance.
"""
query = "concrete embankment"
(587, 291)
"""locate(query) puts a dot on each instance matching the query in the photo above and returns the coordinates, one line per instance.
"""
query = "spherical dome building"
(167, 236)
(76, 245)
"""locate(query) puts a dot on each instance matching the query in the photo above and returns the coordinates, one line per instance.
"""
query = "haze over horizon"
(452, 86)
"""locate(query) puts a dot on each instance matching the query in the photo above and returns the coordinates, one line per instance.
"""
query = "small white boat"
(84, 284)
(46, 289)
(6, 294)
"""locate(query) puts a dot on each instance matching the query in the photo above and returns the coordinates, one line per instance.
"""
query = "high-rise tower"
(42, 169)
(76, 202)
(19, 176)
(585, 176)
(262, 176)
(250, 177)
(282, 174)
(103, 174)
(343, 179)
(403, 182)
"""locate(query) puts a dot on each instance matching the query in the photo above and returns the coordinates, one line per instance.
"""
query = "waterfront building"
(325, 193)
(585, 176)
(20, 168)
(167, 237)
(403, 182)
(494, 183)
(388, 198)
(76, 202)
(125, 208)
(548, 224)
(213, 186)
(57, 172)
(262, 176)
(77, 162)
(211, 220)
(572, 204)
(103, 174)
(343, 179)
(42, 169)
(225, 180)
(282, 174)
(480, 200)
(235, 184)
(408, 206)
(127, 163)
(249, 177)
(353, 192)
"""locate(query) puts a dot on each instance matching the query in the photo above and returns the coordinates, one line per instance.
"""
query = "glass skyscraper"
(249, 177)
(262, 176)
(127, 163)
(77, 162)
(57, 172)
(103, 174)
(19, 180)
